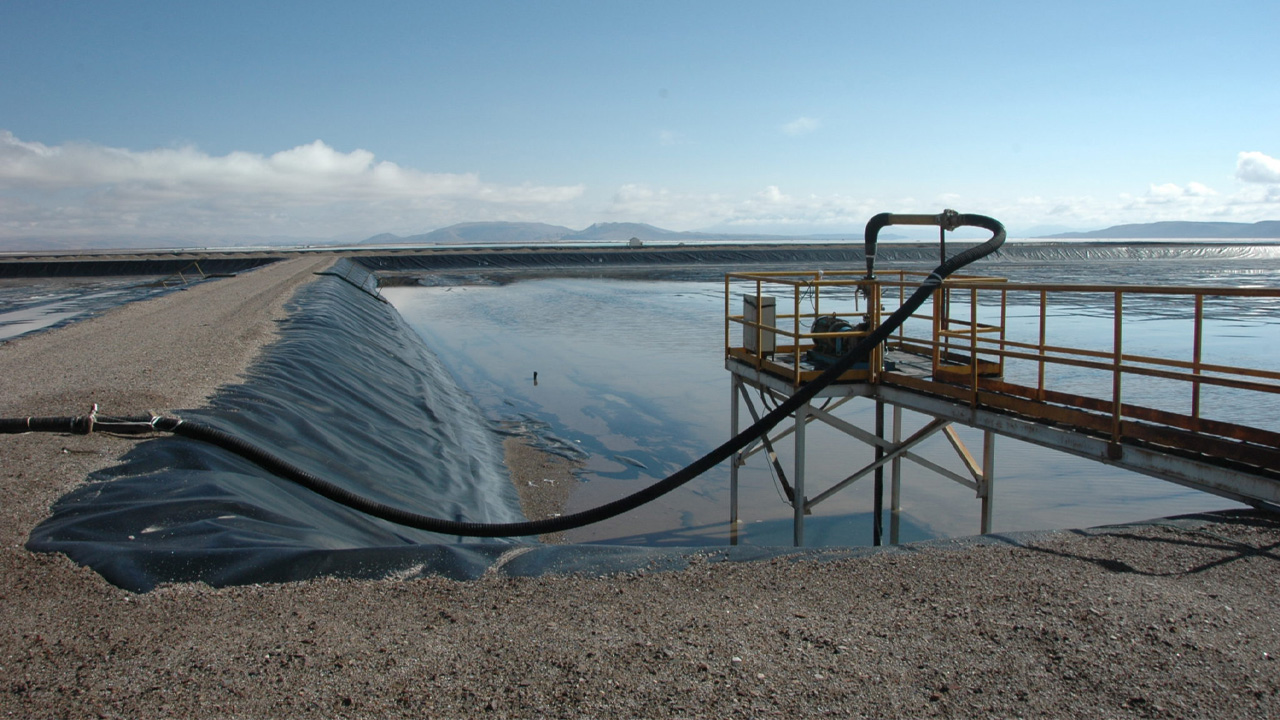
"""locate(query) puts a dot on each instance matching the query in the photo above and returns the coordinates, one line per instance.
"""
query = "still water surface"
(34, 304)
(630, 377)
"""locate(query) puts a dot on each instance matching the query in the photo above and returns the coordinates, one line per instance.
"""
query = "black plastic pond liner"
(849, 255)
(111, 267)
(350, 393)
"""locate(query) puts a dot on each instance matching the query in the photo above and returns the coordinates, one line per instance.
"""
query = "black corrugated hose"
(282, 468)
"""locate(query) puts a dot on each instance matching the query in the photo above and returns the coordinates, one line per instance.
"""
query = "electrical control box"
(761, 341)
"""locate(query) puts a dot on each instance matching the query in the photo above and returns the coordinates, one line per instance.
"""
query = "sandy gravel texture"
(1159, 621)
(543, 482)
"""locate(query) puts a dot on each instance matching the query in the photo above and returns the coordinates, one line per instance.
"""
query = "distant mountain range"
(484, 233)
(1180, 231)
(488, 233)
(527, 233)
(479, 232)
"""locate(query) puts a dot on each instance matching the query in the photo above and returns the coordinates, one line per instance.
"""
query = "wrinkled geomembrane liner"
(348, 393)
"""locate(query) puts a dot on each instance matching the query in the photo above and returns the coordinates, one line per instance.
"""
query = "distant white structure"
(635, 242)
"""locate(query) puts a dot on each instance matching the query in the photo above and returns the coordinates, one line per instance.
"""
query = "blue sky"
(321, 120)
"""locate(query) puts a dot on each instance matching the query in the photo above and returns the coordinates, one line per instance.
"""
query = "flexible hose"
(407, 518)
(78, 425)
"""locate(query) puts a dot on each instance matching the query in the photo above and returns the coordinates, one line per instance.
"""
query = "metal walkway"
(1015, 360)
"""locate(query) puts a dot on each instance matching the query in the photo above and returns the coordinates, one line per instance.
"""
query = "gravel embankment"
(1157, 621)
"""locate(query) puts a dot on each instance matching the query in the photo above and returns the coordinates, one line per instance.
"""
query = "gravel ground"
(1167, 620)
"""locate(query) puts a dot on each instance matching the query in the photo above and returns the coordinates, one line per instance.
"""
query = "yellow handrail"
(975, 349)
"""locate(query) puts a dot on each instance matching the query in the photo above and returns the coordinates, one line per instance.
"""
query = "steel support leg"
(735, 461)
(797, 504)
(895, 486)
(988, 478)
(877, 520)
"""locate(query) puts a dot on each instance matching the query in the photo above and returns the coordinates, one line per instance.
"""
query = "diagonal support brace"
(890, 453)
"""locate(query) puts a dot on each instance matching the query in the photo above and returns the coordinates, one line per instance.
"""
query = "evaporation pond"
(31, 304)
(631, 373)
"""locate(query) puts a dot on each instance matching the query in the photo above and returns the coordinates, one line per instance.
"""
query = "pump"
(827, 350)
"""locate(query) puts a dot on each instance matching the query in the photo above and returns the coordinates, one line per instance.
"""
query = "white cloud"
(1161, 194)
(772, 210)
(771, 195)
(314, 190)
(1193, 197)
(1195, 189)
(1192, 201)
(308, 189)
(801, 126)
(637, 202)
(1255, 167)
(1259, 198)
(769, 210)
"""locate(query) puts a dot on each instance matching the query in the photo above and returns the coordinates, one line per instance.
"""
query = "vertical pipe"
(988, 479)
(798, 501)
(877, 521)
(946, 299)
(1195, 362)
(735, 385)
(895, 483)
(876, 362)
